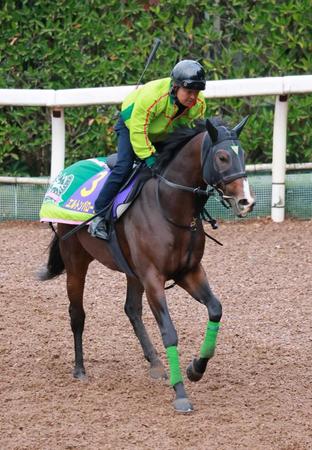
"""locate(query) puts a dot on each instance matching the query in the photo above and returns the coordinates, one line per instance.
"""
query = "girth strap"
(118, 255)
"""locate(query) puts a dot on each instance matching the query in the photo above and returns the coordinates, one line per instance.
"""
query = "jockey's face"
(187, 97)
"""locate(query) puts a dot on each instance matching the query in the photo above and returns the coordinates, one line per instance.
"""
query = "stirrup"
(98, 228)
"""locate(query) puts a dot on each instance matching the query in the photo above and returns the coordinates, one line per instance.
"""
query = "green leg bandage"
(208, 346)
(173, 359)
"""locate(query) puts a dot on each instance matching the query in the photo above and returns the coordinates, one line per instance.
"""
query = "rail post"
(279, 158)
(58, 142)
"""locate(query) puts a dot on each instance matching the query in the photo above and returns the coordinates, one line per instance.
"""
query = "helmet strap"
(173, 91)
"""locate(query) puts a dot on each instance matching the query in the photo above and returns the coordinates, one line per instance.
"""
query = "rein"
(211, 139)
(197, 191)
(204, 213)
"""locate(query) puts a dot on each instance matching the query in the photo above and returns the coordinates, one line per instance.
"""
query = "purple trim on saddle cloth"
(82, 200)
(121, 198)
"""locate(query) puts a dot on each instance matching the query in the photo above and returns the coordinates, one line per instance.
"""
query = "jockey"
(147, 115)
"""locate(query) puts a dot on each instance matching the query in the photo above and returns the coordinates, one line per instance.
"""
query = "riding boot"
(99, 228)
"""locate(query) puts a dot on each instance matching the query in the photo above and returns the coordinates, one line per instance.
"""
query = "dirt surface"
(256, 393)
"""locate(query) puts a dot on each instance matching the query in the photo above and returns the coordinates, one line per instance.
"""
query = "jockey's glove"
(150, 161)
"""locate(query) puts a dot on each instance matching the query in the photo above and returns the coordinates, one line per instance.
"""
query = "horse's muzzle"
(245, 207)
(242, 201)
(242, 207)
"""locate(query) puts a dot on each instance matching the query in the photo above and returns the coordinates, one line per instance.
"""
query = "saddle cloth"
(70, 198)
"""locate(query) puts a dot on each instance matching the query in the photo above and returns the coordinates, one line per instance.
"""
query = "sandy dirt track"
(255, 395)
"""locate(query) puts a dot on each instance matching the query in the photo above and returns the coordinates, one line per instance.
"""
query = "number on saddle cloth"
(71, 196)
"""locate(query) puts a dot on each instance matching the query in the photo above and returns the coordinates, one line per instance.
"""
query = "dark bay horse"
(162, 238)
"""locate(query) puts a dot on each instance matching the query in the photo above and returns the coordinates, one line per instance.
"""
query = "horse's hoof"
(80, 374)
(158, 373)
(191, 373)
(183, 405)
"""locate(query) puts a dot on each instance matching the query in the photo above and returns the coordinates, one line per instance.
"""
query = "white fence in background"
(281, 87)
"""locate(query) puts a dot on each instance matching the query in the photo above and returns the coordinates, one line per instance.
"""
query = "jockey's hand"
(150, 161)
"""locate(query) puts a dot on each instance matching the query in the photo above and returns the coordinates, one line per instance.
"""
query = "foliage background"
(64, 44)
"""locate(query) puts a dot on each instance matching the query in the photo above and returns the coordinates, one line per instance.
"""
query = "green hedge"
(63, 44)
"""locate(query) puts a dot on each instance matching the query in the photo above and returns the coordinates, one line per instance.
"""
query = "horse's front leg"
(133, 309)
(196, 284)
(154, 288)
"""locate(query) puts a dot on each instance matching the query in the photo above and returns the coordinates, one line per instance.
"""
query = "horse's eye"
(222, 160)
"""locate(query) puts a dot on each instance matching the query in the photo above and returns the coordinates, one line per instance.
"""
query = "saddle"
(126, 196)
(129, 191)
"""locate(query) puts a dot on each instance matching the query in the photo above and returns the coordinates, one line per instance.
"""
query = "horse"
(162, 238)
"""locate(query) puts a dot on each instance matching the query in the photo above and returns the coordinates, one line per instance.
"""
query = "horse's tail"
(55, 265)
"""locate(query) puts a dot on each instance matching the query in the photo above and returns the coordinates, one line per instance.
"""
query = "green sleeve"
(144, 111)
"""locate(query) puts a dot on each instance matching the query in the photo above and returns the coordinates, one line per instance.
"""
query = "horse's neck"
(186, 166)
(185, 170)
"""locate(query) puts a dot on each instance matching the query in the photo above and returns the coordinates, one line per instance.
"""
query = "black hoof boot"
(192, 373)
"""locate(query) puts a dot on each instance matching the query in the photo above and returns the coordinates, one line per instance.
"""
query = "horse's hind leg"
(196, 284)
(76, 262)
(133, 309)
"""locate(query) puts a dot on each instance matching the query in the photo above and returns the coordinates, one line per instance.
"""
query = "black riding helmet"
(189, 74)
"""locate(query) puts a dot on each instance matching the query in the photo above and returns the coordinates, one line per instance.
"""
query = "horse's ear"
(238, 128)
(212, 130)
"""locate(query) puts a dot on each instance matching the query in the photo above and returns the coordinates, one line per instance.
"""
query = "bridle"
(196, 191)
(229, 178)
(203, 213)
(208, 192)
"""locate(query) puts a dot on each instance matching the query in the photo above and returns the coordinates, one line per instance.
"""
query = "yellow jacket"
(149, 113)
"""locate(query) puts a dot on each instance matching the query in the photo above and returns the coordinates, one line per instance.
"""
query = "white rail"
(250, 168)
(299, 84)
(281, 87)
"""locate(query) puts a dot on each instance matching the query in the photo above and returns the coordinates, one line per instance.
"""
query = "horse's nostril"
(243, 202)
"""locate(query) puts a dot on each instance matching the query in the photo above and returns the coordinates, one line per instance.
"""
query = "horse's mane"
(175, 141)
